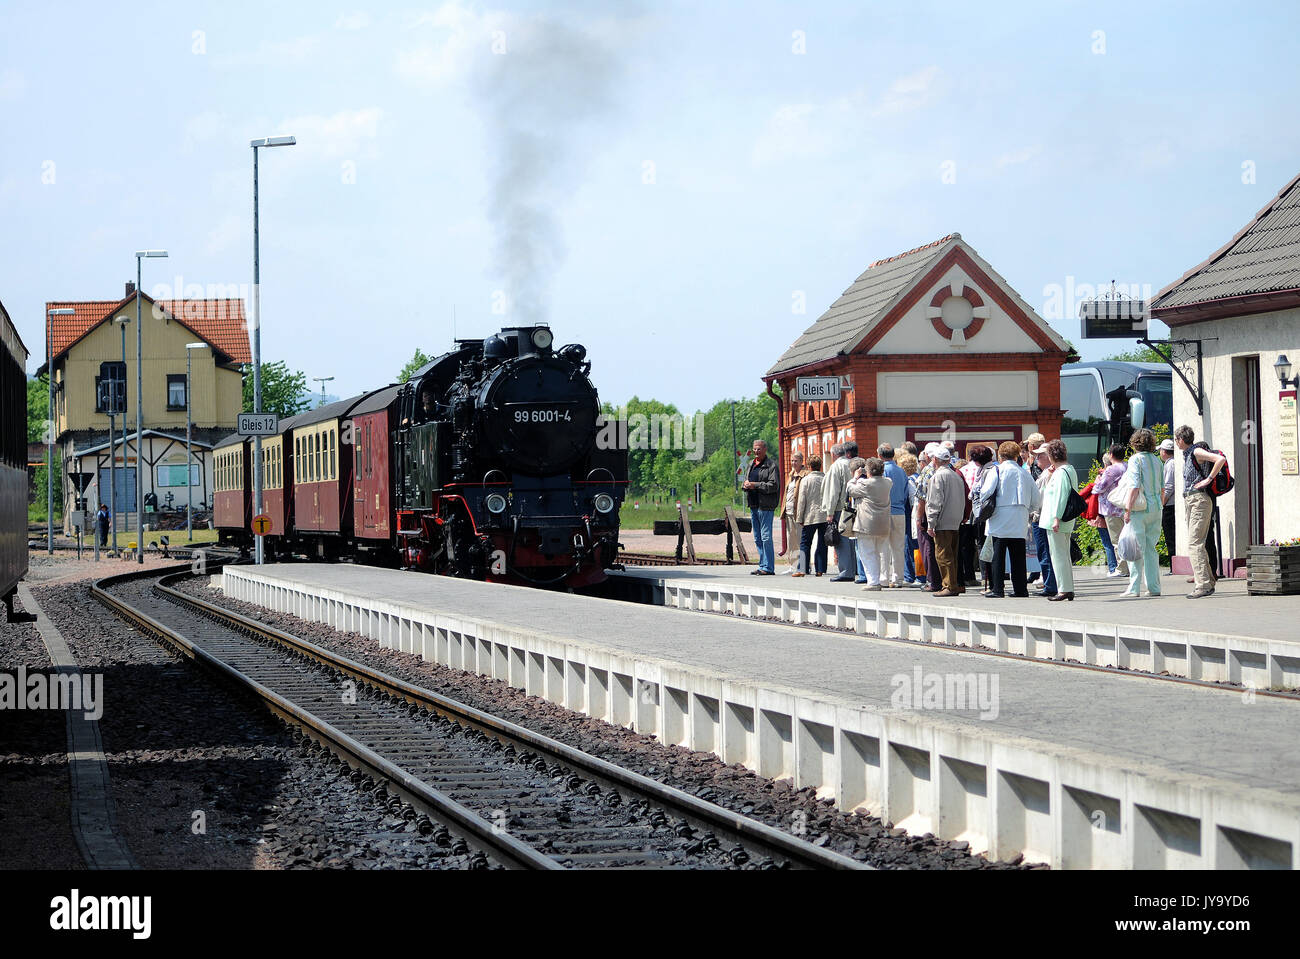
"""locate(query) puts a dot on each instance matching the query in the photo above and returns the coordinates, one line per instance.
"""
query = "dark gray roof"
(378, 399)
(1263, 258)
(861, 306)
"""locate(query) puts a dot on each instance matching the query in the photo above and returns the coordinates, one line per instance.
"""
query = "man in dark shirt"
(762, 492)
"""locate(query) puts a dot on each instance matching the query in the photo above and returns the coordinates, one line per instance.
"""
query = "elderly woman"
(1016, 494)
(1113, 515)
(792, 481)
(1056, 494)
(1145, 475)
(810, 514)
(869, 491)
(908, 462)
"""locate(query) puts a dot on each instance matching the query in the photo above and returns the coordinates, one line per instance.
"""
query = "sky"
(663, 183)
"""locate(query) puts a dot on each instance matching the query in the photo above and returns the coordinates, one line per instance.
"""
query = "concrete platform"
(1073, 768)
(1227, 637)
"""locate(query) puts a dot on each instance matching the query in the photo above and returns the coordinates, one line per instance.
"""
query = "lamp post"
(322, 380)
(189, 441)
(286, 141)
(121, 321)
(49, 426)
(139, 408)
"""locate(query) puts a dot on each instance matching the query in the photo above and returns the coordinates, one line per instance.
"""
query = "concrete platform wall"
(1208, 656)
(1063, 806)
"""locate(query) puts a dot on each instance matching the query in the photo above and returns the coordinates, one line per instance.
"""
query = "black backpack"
(987, 506)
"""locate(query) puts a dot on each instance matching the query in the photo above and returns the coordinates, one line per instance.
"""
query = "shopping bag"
(1128, 548)
(986, 551)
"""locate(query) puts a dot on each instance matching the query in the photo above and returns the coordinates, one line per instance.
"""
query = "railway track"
(519, 798)
(656, 559)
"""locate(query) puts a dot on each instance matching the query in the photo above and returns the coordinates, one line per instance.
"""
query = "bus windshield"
(1158, 394)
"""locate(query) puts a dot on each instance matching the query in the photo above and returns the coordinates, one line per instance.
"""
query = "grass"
(644, 518)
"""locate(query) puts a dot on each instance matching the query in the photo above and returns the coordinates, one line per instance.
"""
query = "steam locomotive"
(490, 462)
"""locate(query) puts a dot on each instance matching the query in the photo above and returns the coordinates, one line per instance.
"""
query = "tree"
(1144, 355)
(414, 363)
(284, 393)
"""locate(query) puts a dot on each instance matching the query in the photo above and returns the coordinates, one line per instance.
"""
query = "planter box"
(1273, 570)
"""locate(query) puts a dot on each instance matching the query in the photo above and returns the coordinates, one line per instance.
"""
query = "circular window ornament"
(957, 312)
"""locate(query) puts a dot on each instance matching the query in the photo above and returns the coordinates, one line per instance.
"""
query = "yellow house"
(92, 336)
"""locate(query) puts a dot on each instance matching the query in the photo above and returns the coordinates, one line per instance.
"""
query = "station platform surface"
(1230, 610)
(1011, 754)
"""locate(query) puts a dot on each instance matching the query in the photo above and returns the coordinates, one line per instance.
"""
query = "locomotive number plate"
(542, 416)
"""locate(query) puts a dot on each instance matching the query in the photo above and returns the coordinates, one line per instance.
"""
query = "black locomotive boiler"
(503, 469)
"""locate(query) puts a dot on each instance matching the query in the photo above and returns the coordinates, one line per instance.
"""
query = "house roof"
(871, 306)
(1263, 258)
(218, 322)
(862, 305)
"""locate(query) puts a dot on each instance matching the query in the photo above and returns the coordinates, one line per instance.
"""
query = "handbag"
(1074, 503)
(1119, 495)
(989, 505)
(848, 516)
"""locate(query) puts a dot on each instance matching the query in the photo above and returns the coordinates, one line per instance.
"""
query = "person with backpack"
(1057, 518)
(1140, 489)
(1205, 475)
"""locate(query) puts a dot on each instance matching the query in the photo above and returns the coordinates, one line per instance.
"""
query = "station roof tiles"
(862, 305)
(1263, 258)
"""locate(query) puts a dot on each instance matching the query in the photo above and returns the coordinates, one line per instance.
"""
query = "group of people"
(999, 514)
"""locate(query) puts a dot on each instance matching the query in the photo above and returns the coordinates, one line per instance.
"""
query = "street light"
(189, 441)
(49, 426)
(139, 408)
(1283, 370)
(121, 321)
(286, 141)
(322, 380)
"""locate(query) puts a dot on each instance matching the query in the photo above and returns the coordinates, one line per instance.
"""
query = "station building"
(1240, 310)
(932, 344)
(92, 335)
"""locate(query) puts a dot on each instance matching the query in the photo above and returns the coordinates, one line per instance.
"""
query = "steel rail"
(694, 810)
(435, 804)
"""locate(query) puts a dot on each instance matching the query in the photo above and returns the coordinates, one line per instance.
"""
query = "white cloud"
(911, 92)
(12, 85)
(1156, 156)
(1017, 157)
(458, 34)
(277, 53)
(808, 130)
(352, 21)
(341, 134)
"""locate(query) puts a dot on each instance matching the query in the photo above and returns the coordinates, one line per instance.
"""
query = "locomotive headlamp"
(496, 503)
(542, 338)
(603, 502)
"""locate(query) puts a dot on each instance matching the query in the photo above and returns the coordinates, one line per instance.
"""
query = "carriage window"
(315, 456)
(369, 454)
(334, 465)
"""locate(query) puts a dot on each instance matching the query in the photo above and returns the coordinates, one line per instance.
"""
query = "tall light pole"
(139, 409)
(121, 321)
(189, 440)
(257, 337)
(49, 426)
(322, 380)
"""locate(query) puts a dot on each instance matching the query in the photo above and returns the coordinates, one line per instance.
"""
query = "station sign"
(261, 524)
(1113, 319)
(258, 424)
(812, 389)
